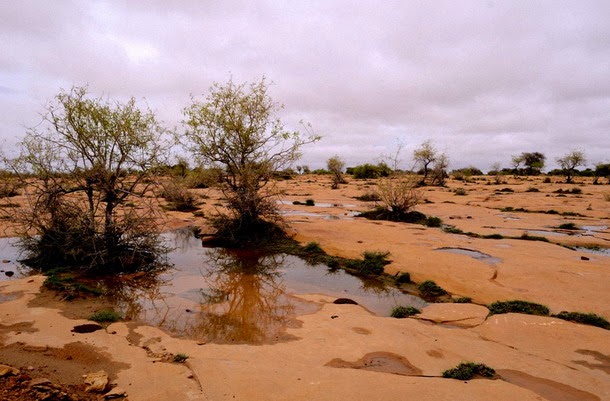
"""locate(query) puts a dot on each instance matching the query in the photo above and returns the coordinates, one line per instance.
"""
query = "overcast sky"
(483, 80)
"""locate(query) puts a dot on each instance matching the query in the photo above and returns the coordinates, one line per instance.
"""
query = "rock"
(41, 384)
(6, 261)
(6, 370)
(345, 301)
(96, 382)
(584, 258)
(86, 328)
(9, 273)
(116, 392)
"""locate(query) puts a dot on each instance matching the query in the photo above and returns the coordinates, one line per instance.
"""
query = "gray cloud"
(483, 80)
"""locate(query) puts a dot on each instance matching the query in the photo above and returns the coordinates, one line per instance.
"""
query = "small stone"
(30, 368)
(96, 381)
(334, 316)
(584, 258)
(40, 381)
(6, 261)
(116, 392)
(86, 328)
(9, 273)
(6, 370)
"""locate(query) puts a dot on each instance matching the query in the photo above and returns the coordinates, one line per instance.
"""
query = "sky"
(483, 80)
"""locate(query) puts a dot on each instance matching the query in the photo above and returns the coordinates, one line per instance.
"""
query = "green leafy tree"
(335, 165)
(90, 156)
(237, 129)
(425, 156)
(570, 162)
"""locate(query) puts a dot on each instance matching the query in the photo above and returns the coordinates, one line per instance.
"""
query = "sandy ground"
(343, 352)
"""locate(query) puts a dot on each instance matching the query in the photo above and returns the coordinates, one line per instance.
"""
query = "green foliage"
(401, 312)
(106, 316)
(517, 306)
(432, 221)
(430, 290)
(460, 191)
(403, 278)
(178, 197)
(463, 300)
(584, 318)
(367, 170)
(372, 263)
(527, 237)
(368, 197)
(313, 247)
(180, 358)
(468, 370)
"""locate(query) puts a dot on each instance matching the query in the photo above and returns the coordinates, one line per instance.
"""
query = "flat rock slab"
(461, 315)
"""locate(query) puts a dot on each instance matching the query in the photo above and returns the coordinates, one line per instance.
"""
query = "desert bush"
(459, 191)
(372, 263)
(180, 357)
(532, 189)
(430, 290)
(178, 197)
(398, 195)
(9, 185)
(527, 237)
(547, 180)
(468, 370)
(403, 277)
(584, 318)
(367, 171)
(401, 312)
(335, 165)
(568, 226)
(368, 197)
(432, 221)
(106, 316)
(310, 202)
(313, 247)
(517, 306)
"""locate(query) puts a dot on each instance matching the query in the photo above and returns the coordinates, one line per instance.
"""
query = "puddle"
(595, 251)
(346, 216)
(548, 389)
(472, 253)
(317, 204)
(544, 232)
(593, 229)
(230, 296)
(9, 254)
(385, 362)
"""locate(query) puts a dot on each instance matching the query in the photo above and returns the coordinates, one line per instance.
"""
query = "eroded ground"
(345, 352)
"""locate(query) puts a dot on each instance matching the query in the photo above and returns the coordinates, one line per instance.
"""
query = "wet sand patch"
(384, 362)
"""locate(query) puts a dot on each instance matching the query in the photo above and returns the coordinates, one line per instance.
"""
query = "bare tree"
(237, 129)
(398, 195)
(569, 162)
(335, 165)
(89, 157)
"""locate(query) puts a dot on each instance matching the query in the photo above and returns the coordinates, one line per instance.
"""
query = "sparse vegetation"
(460, 191)
(462, 300)
(517, 306)
(403, 278)
(106, 316)
(430, 290)
(569, 162)
(584, 318)
(568, 226)
(401, 312)
(368, 197)
(180, 358)
(335, 165)
(527, 237)
(372, 263)
(468, 370)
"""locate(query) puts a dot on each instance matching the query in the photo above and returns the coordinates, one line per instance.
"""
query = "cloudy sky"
(483, 80)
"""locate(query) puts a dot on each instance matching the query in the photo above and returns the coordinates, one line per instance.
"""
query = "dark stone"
(86, 328)
(345, 301)
(584, 258)
(9, 273)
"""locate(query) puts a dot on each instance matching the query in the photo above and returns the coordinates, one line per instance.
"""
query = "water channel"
(220, 295)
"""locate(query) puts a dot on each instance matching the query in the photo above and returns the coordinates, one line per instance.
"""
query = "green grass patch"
(590, 319)
(106, 316)
(372, 263)
(430, 290)
(517, 306)
(528, 237)
(401, 312)
(468, 370)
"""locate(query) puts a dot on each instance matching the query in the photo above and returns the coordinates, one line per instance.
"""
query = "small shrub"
(460, 191)
(463, 300)
(403, 278)
(468, 370)
(576, 191)
(527, 237)
(180, 358)
(506, 190)
(368, 197)
(452, 230)
(532, 189)
(179, 197)
(584, 318)
(568, 226)
(429, 289)
(432, 221)
(493, 236)
(106, 316)
(372, 263)
(310, 202)
(401, 312)
(312, 247)
(547, 180)
(516, 306)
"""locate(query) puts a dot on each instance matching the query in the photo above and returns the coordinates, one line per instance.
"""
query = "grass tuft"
(430, 290)
(468, 370)
(516, 306)
(401, 312)
(590, 319)
(106, 316)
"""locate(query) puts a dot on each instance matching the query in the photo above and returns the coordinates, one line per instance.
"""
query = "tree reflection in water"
(245, 300)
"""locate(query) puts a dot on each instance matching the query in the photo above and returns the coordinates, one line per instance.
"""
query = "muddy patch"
(549, 389)
(384, 362)
(484, 257)
(602, 362)
(65, 365)
(361, 330)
